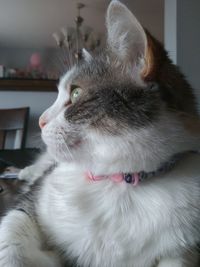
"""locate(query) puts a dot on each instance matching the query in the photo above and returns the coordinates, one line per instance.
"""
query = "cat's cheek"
(62, 145)
(52, 140)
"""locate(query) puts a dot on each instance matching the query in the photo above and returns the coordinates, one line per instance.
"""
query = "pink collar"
(136, 177)
(131, 178)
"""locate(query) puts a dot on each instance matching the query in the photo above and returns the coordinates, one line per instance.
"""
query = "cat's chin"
(66, 153)
(62, 150)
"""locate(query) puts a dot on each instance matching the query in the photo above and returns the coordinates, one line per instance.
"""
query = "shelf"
(28, 85)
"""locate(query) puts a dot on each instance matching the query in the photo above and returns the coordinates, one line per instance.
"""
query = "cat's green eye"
(75, 93)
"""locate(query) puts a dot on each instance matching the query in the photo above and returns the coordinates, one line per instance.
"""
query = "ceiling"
(30, 23)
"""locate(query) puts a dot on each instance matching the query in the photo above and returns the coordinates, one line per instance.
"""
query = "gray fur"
(111, 98)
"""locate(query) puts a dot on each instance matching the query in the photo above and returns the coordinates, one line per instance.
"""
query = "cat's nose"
(42, 122)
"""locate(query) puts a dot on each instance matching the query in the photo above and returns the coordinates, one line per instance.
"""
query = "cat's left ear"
(126, 37)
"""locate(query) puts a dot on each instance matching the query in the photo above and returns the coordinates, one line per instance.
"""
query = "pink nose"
(42, 123)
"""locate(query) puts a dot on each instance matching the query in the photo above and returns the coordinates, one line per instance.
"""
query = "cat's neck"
(137, 177)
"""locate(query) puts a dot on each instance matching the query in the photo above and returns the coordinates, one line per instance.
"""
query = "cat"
(125, 191)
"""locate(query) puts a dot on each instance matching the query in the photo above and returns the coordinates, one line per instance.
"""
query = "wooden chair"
(14, 120)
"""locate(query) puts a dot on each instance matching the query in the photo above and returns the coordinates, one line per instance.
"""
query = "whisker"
(71, 156)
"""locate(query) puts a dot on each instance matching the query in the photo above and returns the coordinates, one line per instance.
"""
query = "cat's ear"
(86, 55)
(126, 37)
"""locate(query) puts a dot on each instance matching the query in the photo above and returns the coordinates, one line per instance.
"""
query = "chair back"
(16, 121)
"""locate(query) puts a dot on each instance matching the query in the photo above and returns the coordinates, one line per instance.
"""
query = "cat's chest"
(93, 220)
(118, 224)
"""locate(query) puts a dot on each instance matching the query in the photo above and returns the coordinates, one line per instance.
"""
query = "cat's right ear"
(86, 55)
(126, 37)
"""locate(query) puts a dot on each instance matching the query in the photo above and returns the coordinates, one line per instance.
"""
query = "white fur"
(38, 169)
(21, 245)
(108, 224)
(87, 56)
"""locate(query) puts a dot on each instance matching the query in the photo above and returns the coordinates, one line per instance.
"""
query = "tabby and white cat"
(126, 110)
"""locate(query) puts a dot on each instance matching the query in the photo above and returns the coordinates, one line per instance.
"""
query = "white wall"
(170, 28)
(188, 40)
(182, 37)
(150, 14)
(29, 23)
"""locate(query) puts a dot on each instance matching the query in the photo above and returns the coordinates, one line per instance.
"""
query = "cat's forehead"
(97, 70)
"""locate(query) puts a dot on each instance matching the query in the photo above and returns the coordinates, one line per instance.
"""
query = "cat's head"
(114, 111)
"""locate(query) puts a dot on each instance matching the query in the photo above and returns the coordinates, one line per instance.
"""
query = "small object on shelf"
(35, 61)
(35, 70)
(1, 71)
(11, 73)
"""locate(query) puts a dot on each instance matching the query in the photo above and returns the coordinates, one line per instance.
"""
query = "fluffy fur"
(125, 120)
